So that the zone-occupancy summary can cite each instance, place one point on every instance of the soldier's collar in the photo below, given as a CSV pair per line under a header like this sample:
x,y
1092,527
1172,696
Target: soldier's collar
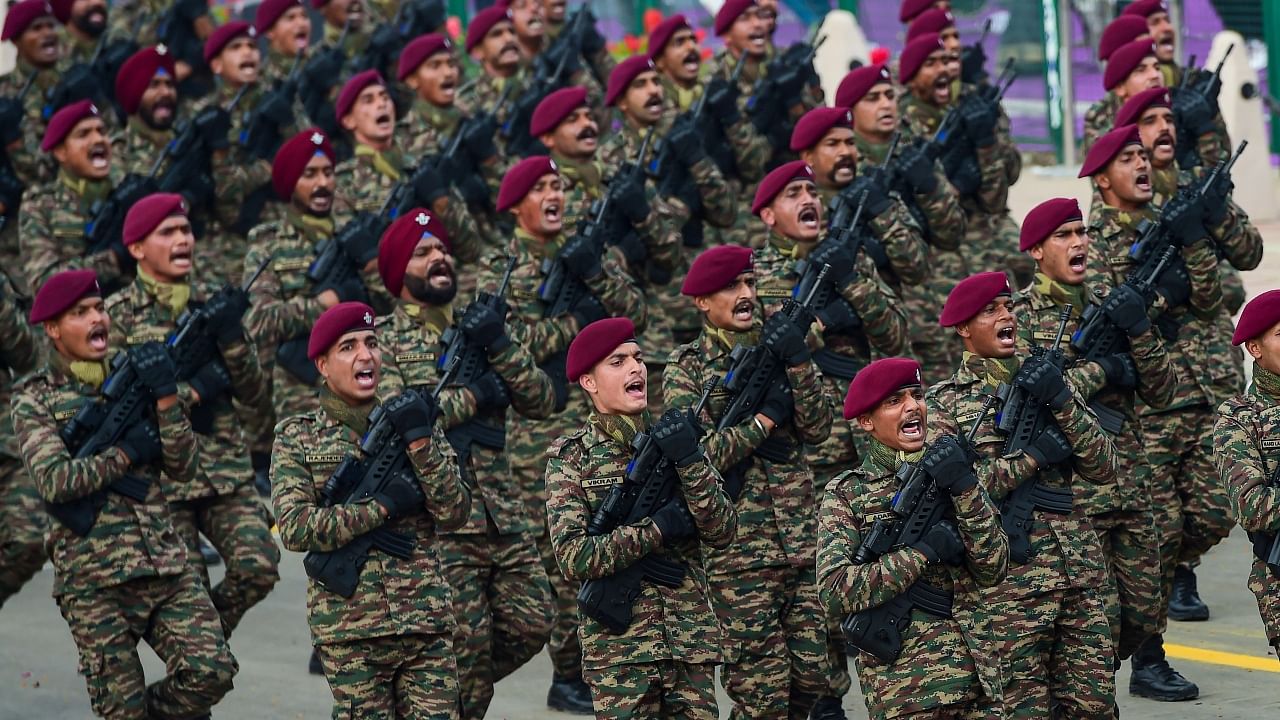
x,y
790,248
1266,382
443,119
174,296
1164,182
1126,219
536,247
89,190
158,138
725,340
436,318
989,371
586,172
311,227
1060,293
619,428
353,417
86,372
887,459
389,163
683,97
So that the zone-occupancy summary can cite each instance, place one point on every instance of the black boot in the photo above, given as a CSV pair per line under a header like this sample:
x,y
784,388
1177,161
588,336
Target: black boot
x,y
261,473
1154,679
827,708
570,695
1184,601
208,554
313,665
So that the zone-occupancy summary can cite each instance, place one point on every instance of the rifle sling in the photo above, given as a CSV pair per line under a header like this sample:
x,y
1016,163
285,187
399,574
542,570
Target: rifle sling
x,y
833,364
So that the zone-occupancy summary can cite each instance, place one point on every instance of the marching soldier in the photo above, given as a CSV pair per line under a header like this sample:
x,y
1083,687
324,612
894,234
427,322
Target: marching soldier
x,y
493,45
147,91
1049,613
762,587
84,22
32,28
22,518
287,27
122,573
223,398
500,589
387,647
946,666
662,663
1131,69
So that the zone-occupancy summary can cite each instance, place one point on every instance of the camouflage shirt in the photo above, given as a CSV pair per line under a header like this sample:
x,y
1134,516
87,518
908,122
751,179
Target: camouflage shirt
x,y
20,352
52,228
32,165
1099,119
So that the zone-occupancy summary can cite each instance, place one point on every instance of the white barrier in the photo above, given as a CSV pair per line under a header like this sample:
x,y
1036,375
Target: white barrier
x,y
845,42
1254,177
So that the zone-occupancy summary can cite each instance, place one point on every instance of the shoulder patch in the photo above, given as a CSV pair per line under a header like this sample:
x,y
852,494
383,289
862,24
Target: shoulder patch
x,y
319,458
303,419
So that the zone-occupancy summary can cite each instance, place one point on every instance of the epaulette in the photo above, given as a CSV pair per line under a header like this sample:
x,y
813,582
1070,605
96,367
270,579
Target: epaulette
x,y
560,443
307,418
114,299
271,226
29,377
384,320
689,348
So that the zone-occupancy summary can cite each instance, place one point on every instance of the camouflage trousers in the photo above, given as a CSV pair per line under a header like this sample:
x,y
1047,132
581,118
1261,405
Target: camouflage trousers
x,y
660,690
1266,589
1131,546
22,527
239,527
776,630
983,708
396,676
839,680
174,616
502,603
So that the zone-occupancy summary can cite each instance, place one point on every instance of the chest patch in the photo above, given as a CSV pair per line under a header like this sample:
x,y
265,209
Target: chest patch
x,y
61,415
967,418
601,482
323,458
416,357
876,517
1273,444
1049,335
145,337
290,264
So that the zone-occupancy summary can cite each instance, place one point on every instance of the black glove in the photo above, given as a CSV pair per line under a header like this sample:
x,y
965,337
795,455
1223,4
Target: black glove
x,y
722,101
1044,381
486,328
837,256
1125,307
942,543
677,437
686,141
674,521
11,115
11,189
785,339
973,60
1192,112
878,199
1051,448
1120,370
413,415
226,314
588,310
213,124
490,392
1184,217
980,117
1216,202
917,168
779,403
1175,285
323,71
155,369
428,183
141,443
839,317
402,496
591,42
627,192
210,381
948,462
477,137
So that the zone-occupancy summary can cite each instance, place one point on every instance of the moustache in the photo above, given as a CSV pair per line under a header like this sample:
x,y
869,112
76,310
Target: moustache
x,y
588,133
510,46
321,193
692,57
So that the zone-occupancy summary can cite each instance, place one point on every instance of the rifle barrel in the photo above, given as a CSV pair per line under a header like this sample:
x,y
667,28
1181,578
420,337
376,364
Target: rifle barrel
x,y
1063,318
982,415
257,273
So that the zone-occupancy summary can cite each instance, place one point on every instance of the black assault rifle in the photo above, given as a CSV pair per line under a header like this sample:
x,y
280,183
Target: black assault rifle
x,y
1207,88
1266,545
952,144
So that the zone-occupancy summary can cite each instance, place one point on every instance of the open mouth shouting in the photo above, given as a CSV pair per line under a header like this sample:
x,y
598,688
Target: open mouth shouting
x,y
248,70
757,42
448,88
743,311
301,38
100,156
1143,182
843,170
942,89
911,429
551,215
653,105
180,257
1078,261
366,377
98,339
637,389
691,62
385,121
588,137
440,274
1005,335
321,201
808,217
509,53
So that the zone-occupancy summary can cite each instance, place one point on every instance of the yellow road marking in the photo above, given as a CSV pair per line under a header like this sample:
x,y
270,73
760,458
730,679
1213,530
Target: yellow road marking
x,y
1218,657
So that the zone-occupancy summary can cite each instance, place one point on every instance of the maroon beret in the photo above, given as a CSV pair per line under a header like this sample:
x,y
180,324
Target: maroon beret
x,y
147,214
714,269
21,15
60,292
934,20
63,121
1124,29
136,73
1125,60
729,12
596,342
338,321
221,37
269,11
972,294
398,241
1144,8
1260,315
878,381
774,182
555,107
520,178
661,34
816,123
484,21
622,75
911,8
1133,108
859,82
1107,147
1045,218
915,53
418,50
61,10
292,158
352,90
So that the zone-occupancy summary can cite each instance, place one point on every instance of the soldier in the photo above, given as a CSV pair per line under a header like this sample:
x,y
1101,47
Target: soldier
x,y
148,94
349,19
122,573
1120,509
500,589
662,664
911,9
32,28
187,23
1120,32
84,21
225,396
493,45
1131,69
1244,450
526,18
54,216
387,648
287,27
946,667
763,587
1049,613
592,44
22,517
533,193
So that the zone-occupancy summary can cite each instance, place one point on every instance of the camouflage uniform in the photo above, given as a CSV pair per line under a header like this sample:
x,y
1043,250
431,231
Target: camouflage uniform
x,y
51,231
1099,119
482,93
751,150
387,651
22,519
1213,146
763,588
662,666
220,502
129,577
501,596
32,165
1049,613
947,667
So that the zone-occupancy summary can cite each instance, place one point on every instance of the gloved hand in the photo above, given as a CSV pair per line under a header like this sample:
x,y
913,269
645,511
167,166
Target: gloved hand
x,y
785,339
588,310
213,124
1192,112
722,102
686,141
1184,217
211,381
627,190
674,521
942,543
839,317
677,437
917,168
490,392
1175,285
1051,448
485,327
323,71
948,463
1126,308
11,114
1043,380
837,256
1120,370
1216,202
428,183
11,190
779,403
581,257
402,496
226,314
477,137
141,444
155,369
980,117
878,199
973,61
413,415
591,42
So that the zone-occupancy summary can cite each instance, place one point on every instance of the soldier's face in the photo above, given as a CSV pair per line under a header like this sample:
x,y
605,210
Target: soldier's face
x,y
834,158
1064,255
429,277
159,102
239,61
81,332
291,34
642,100
619,384
554,10
899,421
166,254
1158,135
436,79
500,51
732,308
1126,182
314,192
372,118
769,13
950,38
527,16
1162,32
932,82
338,13
796,212
992,333
681,58
1265,349
86,153
1144,77
876,114
749,34
38,44
352,367
540,212
577,136
89,16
